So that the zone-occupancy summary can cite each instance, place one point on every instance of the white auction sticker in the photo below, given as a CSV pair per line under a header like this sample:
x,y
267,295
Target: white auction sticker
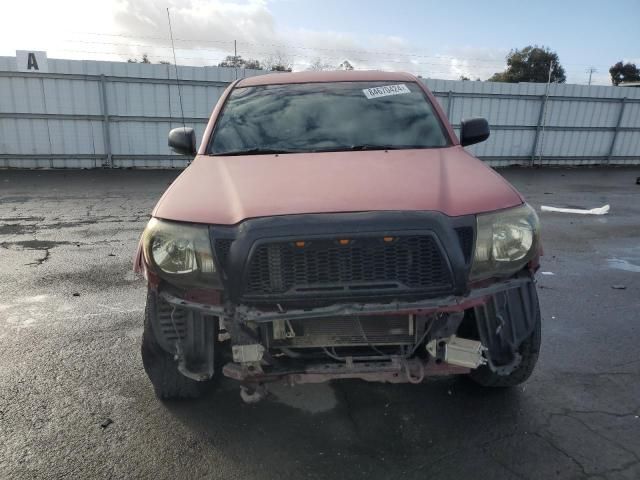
x,y
386,90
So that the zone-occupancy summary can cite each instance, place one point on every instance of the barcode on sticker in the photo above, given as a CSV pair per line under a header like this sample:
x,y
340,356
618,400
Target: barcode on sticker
x,y
386,90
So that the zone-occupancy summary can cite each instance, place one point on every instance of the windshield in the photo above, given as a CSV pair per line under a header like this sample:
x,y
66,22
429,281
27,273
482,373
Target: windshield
x,y
320,117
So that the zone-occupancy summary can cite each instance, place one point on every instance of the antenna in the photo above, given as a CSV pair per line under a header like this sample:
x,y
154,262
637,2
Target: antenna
x,y
175,64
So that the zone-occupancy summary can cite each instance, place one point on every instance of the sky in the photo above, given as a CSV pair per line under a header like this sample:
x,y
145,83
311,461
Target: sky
x,y
435,39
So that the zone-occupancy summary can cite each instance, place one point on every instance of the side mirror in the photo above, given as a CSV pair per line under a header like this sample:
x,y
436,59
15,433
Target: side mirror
x,y
473,130
182,140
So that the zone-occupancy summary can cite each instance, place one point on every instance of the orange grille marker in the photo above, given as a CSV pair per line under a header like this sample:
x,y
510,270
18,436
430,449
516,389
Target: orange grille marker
x,y
344,241
388,239
300,243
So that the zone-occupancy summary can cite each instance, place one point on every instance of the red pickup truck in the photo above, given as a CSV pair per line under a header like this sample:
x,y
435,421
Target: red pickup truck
x,y
332,225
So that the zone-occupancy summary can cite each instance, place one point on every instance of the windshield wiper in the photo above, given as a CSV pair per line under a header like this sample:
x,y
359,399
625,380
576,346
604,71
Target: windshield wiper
x,y
343,148
365,146
368,146
255,151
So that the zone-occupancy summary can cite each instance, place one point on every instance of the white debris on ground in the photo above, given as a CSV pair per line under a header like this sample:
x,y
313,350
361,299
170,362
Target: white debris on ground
x,y
594,211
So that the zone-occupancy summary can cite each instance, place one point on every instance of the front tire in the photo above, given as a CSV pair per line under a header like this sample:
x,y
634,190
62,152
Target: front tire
x,y
161,367
529,351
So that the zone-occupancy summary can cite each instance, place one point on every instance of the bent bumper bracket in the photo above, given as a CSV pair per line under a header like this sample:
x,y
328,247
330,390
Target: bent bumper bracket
x,y
452,303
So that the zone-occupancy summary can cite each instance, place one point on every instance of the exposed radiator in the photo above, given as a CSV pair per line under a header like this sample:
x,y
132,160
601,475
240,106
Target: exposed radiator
x,y
344,331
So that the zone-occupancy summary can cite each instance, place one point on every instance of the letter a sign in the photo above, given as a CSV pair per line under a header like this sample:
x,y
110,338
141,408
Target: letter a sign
x,y
31,61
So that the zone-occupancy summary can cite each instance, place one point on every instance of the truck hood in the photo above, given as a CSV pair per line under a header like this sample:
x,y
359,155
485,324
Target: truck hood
x,y
226,190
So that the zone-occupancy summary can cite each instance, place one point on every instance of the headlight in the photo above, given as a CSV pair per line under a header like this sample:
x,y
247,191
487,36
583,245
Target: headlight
x,y
180,253
505,241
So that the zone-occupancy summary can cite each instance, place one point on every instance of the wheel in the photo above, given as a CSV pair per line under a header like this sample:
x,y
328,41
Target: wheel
x,y
161,367
528,351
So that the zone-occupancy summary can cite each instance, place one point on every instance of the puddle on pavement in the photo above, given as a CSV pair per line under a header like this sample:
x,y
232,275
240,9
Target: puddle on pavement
x,y
623,264
623,255
36,244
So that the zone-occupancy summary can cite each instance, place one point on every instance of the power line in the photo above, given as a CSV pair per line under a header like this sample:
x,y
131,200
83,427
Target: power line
x,y
417,68
149,37
342,51
444,65
289,45
463,64
168,57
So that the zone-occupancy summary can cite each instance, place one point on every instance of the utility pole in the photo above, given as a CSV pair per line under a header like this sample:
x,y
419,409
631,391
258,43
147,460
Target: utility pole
x,y
235,57
591,71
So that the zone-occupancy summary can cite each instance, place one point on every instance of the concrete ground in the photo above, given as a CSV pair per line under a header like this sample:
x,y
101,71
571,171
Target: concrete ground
x,y
75,401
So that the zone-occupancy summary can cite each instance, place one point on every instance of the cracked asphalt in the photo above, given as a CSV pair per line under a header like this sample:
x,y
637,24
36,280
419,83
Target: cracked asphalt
x,y
75,402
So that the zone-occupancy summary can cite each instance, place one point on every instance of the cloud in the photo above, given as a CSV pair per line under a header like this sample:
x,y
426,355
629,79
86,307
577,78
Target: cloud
x,y
205,31
44,25
197,19
475,62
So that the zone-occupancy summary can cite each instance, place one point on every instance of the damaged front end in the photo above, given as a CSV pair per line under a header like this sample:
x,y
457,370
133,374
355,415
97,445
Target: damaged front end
x,y
391,297
398,342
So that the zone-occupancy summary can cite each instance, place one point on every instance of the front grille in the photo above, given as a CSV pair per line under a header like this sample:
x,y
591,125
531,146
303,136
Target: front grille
x,y
362,265
346,331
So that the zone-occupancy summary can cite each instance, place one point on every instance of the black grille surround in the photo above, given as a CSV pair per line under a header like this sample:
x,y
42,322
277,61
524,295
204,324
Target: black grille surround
x,y
466,238
320,266
427,256
222,246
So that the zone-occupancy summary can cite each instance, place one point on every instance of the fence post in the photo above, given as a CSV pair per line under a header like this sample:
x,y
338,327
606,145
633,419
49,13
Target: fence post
x,y
617,129
543,105
105,122
449,102
44,102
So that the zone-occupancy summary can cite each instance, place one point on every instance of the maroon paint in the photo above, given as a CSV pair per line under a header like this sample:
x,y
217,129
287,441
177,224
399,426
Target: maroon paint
x,y
227,190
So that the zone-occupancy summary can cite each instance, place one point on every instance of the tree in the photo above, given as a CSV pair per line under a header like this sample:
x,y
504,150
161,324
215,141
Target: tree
x,y
624,72
253,64
232,61
318,66
278,62
531,64
464,78
144,59
346,65
236,61
280,68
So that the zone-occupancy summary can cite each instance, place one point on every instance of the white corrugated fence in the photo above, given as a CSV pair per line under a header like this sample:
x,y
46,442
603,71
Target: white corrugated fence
x,y
88,114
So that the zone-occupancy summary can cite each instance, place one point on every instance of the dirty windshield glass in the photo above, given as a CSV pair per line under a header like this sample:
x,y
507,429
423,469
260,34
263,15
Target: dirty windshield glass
x,y
326,117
